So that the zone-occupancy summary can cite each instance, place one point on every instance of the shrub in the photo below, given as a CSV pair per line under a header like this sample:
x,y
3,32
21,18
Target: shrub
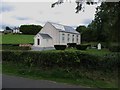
x,y
63,59
71,45
114,48
81,47
14,47
60,47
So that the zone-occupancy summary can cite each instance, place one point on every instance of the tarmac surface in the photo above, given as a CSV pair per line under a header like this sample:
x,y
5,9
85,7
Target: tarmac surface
x,y
20,82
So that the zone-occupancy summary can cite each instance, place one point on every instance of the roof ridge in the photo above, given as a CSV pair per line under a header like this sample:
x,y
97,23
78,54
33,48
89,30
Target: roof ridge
x,y
58,24
63,27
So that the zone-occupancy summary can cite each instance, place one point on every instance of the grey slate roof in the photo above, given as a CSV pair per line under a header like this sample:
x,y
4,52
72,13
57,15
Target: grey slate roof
x,y
45,36
70,29
64,28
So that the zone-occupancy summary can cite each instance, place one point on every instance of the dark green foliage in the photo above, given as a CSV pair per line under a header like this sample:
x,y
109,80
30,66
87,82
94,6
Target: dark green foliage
x,y
7,28
86,34
106,22
30,29
71,45
60,47
81,29
81,47
114,48
63,59
14,47
105,26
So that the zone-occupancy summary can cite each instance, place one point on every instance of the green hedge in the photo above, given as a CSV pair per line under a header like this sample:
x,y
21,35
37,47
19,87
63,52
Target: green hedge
x,y
63,59
71,45
60,47
81,47
13,47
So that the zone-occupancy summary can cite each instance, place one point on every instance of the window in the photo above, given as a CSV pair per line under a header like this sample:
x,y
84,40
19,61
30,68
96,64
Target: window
x,y
72,38
77,38
63,37
68,38
38,41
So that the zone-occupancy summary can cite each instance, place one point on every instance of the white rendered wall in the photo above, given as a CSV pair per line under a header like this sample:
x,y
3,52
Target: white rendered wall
x,y
50,30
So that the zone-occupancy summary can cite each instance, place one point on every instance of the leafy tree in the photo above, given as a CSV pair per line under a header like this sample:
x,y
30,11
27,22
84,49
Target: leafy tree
x,y
81,29
105,26
106,19
80,4
86,34
30,29
7,28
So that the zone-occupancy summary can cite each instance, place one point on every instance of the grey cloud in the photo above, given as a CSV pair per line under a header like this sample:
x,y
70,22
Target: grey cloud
x,y
74,27
87,21
22,18
57,13
41,12
43,22
6,8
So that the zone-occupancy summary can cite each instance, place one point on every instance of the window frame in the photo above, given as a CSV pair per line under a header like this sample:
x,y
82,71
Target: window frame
x,y
63,37
73,38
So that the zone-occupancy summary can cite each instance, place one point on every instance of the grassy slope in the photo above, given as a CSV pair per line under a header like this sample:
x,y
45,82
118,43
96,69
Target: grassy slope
x,y
56,75
16,39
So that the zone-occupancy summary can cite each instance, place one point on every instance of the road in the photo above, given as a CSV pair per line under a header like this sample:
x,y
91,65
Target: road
x,y
20,82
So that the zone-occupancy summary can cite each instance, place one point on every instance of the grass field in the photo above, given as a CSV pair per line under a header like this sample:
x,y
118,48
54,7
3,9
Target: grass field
x,y
16,39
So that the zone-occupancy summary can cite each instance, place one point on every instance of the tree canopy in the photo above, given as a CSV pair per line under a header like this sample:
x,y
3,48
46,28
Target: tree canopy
x,y
30,29
105,26
106,21
7,28
80,4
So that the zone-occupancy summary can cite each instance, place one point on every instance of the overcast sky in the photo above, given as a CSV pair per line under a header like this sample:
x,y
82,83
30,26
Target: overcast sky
x,y
33,12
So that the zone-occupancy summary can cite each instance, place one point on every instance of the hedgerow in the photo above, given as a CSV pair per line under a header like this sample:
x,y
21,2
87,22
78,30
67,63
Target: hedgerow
x,y
60,47
63,59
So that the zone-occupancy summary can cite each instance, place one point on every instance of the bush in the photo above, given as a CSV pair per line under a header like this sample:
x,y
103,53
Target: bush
x,y
63,59
114,48
71,45
14,47
81,47
60,47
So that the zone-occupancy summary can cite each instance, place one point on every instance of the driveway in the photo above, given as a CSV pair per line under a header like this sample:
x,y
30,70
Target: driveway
x,y
20,82
41,48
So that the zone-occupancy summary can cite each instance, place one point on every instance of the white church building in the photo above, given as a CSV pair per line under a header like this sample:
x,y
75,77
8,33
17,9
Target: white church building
x,y
56,34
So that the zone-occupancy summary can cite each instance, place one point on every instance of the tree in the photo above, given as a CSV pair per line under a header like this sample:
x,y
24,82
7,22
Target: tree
x,y
81,29
106,24
86,34
106,19
7,28
80,4
30,29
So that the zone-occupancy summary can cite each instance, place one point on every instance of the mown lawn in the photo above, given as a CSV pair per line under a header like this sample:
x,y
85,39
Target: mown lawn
x,y
103,51
97,52
16,39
